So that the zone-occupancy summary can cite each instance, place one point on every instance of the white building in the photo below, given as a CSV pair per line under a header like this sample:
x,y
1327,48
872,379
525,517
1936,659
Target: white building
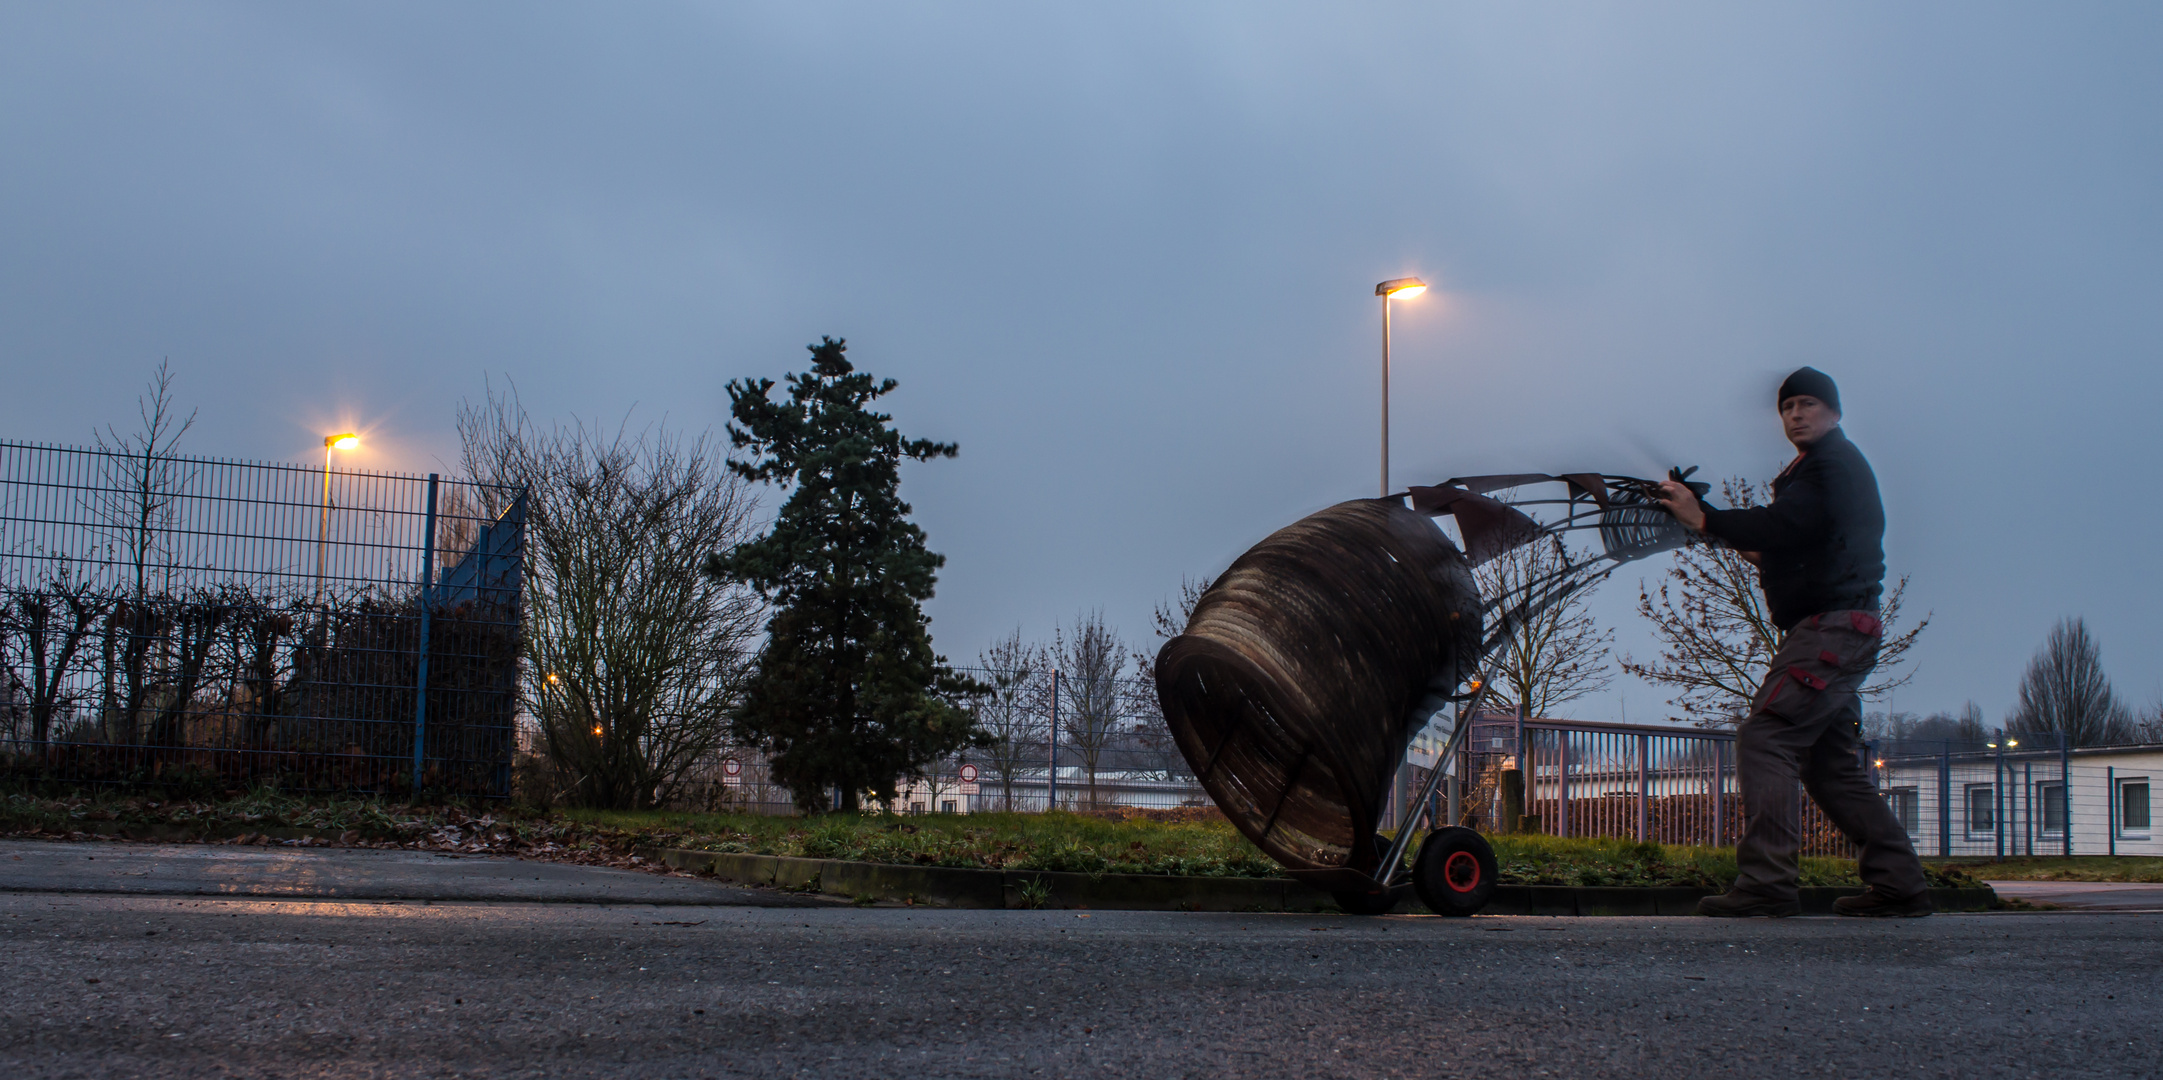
x,y
2020,800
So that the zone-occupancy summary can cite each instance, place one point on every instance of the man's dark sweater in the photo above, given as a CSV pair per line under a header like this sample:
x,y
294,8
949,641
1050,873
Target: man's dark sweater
x,y
1822,539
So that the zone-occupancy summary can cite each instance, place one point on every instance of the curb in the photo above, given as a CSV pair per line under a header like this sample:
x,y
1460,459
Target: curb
x,y
1565,900
935,886
213,833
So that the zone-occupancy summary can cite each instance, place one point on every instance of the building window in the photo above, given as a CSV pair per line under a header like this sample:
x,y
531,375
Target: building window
x,y
916,808
949,806
2052,798
1982,808
1907,806
2133,806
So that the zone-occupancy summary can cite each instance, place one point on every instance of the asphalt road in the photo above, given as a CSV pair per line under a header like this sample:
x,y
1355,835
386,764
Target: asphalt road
x,y
120,985
348,874
2087,895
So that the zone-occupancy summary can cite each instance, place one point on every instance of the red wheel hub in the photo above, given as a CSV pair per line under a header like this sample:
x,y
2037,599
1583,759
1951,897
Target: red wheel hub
x,y
1462,871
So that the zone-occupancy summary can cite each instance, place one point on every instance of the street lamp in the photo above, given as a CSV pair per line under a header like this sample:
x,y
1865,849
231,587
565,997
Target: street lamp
x,y
1407,287
342,441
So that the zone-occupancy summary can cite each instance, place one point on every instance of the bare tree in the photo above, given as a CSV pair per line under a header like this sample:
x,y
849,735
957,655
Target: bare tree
x,y
1553,656
1717,638
2148,725
142,478
2066,692
1937,727
1156,754
1015,713
1169,620
42,629
1892,726
635,659
1090,659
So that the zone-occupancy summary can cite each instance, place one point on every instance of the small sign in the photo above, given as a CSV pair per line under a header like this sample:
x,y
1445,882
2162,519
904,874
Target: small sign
x,y
732,767
968,774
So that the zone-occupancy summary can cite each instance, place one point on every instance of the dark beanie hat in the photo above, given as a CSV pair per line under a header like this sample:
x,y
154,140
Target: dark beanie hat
x,y
1811,381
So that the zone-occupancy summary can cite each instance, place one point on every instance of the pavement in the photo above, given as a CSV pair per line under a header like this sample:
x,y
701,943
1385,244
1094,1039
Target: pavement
x,y
130,984
348,874
2086,895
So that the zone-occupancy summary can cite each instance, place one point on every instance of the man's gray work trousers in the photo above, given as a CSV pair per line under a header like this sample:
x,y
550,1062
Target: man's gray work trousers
x,y
1805,726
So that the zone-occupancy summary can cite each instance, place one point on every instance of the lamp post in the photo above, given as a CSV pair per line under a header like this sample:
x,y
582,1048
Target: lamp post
x,y
342,441
1407,288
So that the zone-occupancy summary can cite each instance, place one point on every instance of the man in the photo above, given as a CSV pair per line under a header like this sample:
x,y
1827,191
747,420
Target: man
x,y
1819,550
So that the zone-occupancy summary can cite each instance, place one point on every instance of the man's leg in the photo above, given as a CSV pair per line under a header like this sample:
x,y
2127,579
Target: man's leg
x,y
1809,689
1769,751
1834,776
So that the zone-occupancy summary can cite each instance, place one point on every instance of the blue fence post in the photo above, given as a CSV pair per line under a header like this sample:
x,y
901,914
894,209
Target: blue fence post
x,y
1051,750
1998,799
2065,789
1945,798
2027,792
420,683
2110,807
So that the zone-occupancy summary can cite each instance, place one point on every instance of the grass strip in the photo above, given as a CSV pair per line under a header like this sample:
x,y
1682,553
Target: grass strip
x,y
1186,843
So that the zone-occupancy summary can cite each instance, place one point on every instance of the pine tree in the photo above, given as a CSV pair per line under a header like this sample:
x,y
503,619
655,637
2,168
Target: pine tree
x,y
848,694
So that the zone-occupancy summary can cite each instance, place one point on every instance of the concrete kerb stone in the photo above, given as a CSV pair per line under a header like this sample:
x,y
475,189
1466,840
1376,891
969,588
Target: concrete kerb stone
x,y
935,886
1560,900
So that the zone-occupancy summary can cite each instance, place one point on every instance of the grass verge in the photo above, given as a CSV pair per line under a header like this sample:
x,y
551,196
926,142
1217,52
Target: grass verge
x,y
2060,868
1134,843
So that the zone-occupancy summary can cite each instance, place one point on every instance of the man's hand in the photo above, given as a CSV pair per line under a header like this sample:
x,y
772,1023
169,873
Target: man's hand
x,y
1682,502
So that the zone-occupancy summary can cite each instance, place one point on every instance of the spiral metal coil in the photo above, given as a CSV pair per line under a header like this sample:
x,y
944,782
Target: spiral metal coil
x,y
1307,668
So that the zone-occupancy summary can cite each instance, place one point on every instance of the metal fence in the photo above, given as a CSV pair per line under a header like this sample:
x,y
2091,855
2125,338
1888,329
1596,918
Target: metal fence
x,y
2012,796
221,624
1665,784
2020,795
1077,744
1103,745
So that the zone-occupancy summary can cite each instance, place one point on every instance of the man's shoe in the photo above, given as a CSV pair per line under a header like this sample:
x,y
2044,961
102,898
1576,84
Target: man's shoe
x,y
1876,905
1737,904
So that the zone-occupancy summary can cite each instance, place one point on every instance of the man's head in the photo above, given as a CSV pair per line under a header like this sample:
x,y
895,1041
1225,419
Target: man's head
x,y
1809,406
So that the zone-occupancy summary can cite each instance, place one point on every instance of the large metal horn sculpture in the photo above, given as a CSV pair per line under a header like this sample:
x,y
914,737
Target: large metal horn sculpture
x,y
1311,663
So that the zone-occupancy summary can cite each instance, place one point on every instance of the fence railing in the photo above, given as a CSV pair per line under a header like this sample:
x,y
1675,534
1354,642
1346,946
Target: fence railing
x,y
2022,795
1665,784
222,624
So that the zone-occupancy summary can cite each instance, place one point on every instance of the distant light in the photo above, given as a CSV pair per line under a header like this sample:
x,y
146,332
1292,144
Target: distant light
x,y
346,441
552,677
1404,288
2012,742
1474,684
596,731
1881,763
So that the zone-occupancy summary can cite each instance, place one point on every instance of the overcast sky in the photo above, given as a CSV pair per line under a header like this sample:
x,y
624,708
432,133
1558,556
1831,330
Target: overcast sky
x,y
1125,256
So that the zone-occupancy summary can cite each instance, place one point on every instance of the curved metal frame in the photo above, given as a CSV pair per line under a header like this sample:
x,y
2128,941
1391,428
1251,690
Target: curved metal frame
x,y
1631,525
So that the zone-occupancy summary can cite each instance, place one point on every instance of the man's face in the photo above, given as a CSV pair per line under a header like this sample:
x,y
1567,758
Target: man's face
x,y
1806,420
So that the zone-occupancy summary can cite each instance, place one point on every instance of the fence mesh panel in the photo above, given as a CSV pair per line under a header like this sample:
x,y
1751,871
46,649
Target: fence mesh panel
x,y
223,624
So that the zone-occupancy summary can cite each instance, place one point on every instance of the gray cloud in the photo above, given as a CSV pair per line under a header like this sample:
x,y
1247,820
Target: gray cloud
x,y
1124,255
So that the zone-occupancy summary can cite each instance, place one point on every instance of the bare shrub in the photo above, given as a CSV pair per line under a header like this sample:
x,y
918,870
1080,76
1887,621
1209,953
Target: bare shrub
x,y
634,659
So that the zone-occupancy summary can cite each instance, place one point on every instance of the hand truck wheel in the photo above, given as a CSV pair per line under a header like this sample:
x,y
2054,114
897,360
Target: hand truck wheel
x,y
1455,872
